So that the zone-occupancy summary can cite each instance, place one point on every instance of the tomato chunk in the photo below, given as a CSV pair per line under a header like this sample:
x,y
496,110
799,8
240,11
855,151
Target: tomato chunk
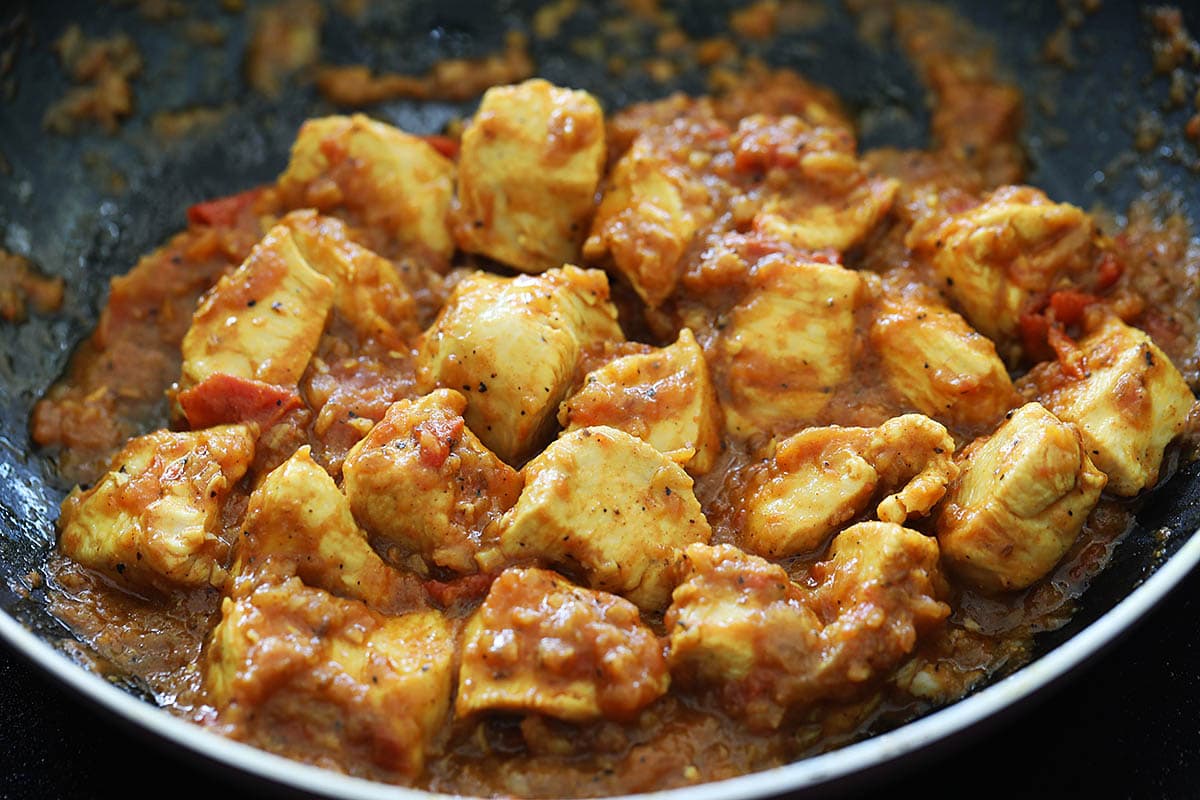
x,y
443,144
222,398
1069,304
223,211
467,590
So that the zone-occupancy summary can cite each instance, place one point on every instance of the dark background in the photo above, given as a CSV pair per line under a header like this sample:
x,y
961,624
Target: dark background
x,y
1127,725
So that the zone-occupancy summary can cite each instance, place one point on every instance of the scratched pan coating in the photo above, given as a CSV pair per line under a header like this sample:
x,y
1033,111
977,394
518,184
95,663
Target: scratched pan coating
x,y
58,207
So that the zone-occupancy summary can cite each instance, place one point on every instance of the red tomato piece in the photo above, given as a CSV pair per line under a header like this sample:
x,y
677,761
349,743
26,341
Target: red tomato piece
x,y
1108,271
223,211
444,145
221,399
1069,304
465,590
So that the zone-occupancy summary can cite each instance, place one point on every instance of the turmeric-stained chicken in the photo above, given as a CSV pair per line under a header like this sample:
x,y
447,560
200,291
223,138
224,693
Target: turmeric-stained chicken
x,y
766,645
154,520
299,523
368,291
997,259
657,200
820,478
1020,501
295,667
261,322
389,183
664,397
937,362
539,644
610,506
1125,395
823,198
531,160
788,344
423,483
511,346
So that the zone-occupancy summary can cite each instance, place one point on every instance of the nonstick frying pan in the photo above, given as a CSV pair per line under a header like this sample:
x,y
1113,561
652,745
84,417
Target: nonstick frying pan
x,y
59,207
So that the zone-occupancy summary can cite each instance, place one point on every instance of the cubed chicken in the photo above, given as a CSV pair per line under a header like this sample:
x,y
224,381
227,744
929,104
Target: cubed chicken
x,y
816,481
938,363
367,290
1020,501
657,197
819,195
726,613
626,124
512,347
299,670
154,520
262,321
379,177
610,505
532,157
738,624
781,92
299,523
665,397
913,453
788,343
877,592
1125,395
999,258
539,644
422,482
820,478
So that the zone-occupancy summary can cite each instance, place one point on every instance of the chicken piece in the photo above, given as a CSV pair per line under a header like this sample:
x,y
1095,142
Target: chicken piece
x,y
299,523
1125,395
822,477
1020,501
300,671
914,453
610,505
938,363
766,645
781,92
726,613
816,482
531,161
877,591
367,291
819,196
658,196
384,178
512,346
422,482
540,644
788,344
1000,257
665,397
262,321
153,521
626,124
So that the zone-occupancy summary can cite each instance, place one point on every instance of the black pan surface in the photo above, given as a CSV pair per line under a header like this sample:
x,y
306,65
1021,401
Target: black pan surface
x,y
59,208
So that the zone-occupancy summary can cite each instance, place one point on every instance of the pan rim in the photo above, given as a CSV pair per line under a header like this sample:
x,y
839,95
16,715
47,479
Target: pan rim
x,y
806,774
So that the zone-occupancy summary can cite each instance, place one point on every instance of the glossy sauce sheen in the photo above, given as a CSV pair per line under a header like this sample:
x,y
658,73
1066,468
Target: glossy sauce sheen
x,y
116,382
